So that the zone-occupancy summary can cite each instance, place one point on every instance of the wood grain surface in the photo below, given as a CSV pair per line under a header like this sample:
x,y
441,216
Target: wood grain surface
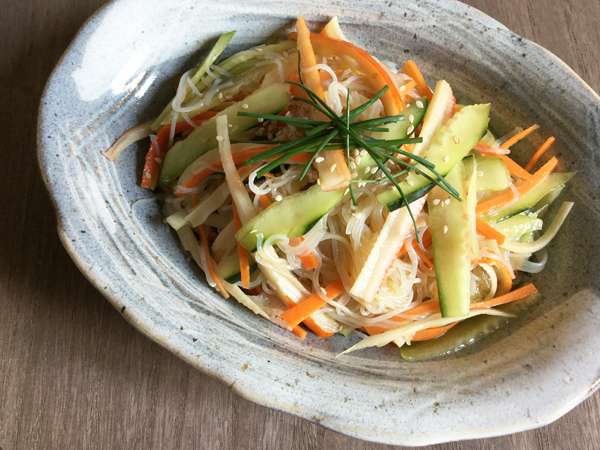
x,y
74,374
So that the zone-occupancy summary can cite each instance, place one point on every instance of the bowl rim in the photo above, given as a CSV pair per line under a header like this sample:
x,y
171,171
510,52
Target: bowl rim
x,y
138,320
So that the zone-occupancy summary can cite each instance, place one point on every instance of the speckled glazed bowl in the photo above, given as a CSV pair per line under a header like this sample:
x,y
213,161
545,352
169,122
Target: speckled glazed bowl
x,y
118,72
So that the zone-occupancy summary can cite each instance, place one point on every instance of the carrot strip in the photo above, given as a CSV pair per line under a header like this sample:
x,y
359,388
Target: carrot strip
x,y
309,305
309,260
376,74
540,152
514,168
242,252
485,149
424,256
504,272
412,70
300,332
431,333
519,136
211,266
517,294
485,229
523,187
264,201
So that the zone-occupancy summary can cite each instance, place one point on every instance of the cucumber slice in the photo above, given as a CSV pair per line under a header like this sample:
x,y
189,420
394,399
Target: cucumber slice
x,y
450,144
270,99
519,225
492,174
451,244
465,334
550,185
292,216
396,130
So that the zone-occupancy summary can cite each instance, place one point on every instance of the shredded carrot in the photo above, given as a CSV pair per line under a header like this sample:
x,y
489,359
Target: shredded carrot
x,y
376,74
211,266
300,332
522,188
243,255
519,136
540,152
514,168
309,260
159,147
485,149
424,256
504,272
264,201
485,229
412,70
518,294
309,305
431,333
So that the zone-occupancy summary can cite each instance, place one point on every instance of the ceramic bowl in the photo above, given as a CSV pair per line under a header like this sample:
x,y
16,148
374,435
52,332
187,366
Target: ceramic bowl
x,y
119,71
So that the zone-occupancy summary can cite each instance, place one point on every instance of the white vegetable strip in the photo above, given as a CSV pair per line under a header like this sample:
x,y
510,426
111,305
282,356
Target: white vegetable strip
x,y
405,333
241,199
537,245
397,227
208,205
242,298
436,114
224,242
128,138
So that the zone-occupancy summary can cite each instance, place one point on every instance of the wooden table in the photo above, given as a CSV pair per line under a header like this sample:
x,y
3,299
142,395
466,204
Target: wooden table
x,y
74,374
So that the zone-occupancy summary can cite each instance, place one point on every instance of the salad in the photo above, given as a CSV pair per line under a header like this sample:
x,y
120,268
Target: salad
x,y
333,193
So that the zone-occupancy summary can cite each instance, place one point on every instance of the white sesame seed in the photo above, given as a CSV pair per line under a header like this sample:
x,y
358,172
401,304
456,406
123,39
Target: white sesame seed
x,y
332,168
220,96
436,201
260,120
362,184
253,231
363,152
319,160
278,198
259,49
319,181
411,118
374,170
245,106
456,139
230,125
352,165
447,202
219,138
419,104
445,230
410,129
356,153
445,158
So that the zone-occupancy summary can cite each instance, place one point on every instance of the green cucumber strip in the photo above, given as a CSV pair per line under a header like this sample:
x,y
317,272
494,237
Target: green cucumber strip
x,y
208,61
451,245
492,174
515,227
450,144
549,185
465,334
292,216
270,99
396,130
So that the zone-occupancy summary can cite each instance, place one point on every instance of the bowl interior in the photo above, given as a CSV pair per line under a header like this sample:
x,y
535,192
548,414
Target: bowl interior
x,y
119,72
